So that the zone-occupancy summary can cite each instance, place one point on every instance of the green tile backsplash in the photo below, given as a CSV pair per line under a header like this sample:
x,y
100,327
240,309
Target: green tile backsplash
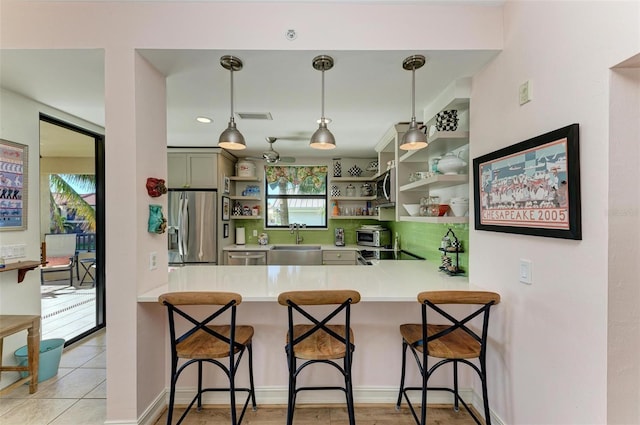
x,y
424,239
419,238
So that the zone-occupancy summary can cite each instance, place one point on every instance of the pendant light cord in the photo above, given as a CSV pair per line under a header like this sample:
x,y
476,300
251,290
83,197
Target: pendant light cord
x,y
413,94
231,70
322,97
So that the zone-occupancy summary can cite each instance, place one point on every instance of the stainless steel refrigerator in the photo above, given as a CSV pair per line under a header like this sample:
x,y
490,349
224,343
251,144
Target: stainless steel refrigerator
x,y
192,226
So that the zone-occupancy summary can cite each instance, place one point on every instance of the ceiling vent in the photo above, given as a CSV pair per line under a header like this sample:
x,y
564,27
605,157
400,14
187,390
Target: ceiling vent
x,y
254,115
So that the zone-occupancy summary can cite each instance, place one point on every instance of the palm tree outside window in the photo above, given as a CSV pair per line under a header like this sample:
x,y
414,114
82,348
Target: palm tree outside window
x,y
296,194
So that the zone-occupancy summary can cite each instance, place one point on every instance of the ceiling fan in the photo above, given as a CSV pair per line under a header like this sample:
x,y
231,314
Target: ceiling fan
x,y
271,156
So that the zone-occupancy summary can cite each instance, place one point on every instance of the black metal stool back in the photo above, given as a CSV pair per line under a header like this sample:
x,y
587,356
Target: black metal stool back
x,y
455,342
205,342
319,341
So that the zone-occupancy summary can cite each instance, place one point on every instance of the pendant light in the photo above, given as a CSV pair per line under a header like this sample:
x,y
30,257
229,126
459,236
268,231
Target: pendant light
x,y
413,139
231,138
322,138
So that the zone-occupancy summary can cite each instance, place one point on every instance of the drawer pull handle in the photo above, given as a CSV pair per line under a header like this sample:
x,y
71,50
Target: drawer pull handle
x,y
246,256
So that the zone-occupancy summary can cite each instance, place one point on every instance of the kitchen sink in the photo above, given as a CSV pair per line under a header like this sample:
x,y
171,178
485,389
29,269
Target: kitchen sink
x,y
295,247
295,255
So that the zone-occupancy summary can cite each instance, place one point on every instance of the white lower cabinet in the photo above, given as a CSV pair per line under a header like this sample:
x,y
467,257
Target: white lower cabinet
x,y
339,258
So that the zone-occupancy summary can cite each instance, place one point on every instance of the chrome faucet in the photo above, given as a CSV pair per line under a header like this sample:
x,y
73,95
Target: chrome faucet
x,y
295,227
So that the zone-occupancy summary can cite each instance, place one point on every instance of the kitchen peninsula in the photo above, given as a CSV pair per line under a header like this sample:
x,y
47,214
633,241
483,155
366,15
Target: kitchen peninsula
x,y
388,289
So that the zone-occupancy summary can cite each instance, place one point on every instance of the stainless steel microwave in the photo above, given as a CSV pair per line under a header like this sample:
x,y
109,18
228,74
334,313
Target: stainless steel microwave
x,y
374,237
386,190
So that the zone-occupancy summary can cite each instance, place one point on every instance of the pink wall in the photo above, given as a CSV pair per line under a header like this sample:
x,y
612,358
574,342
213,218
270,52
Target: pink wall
x,y
549,346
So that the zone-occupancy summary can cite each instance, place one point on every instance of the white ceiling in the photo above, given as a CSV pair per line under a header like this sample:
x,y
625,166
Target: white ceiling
x,y
366,92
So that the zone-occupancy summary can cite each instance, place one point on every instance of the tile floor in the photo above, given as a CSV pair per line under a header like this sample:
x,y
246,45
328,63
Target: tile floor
x,y
76,395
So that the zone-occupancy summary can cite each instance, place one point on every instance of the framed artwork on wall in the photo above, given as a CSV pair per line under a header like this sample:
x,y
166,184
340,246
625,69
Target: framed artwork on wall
x,y
14,172
532,187
226,208
227,185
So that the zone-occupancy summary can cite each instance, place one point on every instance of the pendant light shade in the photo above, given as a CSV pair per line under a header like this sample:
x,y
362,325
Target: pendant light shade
x,y
414,138
231,138
322,138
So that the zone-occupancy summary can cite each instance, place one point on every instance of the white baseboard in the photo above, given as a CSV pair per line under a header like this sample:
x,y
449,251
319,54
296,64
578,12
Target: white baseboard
x,y
278,396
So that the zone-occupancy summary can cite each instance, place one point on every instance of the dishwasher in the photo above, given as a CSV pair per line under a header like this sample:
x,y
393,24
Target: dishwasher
x,y
246,258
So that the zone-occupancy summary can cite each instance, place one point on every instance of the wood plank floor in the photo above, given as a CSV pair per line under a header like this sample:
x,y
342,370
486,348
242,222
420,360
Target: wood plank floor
x,y
375,414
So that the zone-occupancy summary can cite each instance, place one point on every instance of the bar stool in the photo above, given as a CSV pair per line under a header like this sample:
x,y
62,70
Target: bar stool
x,y
206,343
319,342
11,324
453,342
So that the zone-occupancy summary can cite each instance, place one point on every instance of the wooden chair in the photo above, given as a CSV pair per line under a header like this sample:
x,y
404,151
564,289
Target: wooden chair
x,y
454,342
319,342
58,255
203,342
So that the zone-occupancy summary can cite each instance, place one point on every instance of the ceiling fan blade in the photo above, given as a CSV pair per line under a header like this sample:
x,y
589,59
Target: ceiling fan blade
x,y
294,138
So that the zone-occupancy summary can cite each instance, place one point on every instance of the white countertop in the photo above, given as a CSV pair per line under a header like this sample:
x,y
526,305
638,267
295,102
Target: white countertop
x,y
385,281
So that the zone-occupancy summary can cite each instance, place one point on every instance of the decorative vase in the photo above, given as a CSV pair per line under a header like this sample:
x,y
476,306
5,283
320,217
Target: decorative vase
x,y
337,168
451,164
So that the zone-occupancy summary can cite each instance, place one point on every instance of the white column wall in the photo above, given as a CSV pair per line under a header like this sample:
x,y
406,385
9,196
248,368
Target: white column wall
x,y
623,390
548,359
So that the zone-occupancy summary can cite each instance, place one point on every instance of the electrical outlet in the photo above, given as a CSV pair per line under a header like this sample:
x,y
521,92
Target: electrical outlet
x,y
255,232
153,260
526,271
525,92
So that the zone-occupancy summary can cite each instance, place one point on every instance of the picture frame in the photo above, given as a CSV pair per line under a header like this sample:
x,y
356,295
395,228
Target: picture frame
x,y
226,208
14,184
225,231
226,188
531,187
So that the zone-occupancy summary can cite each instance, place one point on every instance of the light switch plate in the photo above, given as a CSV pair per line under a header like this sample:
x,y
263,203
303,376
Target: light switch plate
x,y
525,92
526,271
153,260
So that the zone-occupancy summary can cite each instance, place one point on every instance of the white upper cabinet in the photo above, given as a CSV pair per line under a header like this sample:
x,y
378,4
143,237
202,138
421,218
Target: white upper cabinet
x,y
194,170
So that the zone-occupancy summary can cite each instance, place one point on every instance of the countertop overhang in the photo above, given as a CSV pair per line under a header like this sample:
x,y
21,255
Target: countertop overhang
x,y
385,281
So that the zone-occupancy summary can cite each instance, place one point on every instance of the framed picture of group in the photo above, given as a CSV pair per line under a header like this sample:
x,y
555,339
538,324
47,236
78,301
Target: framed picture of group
x,y
532,187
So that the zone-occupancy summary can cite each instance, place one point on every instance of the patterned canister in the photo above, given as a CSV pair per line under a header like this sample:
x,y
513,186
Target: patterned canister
x,y
246,169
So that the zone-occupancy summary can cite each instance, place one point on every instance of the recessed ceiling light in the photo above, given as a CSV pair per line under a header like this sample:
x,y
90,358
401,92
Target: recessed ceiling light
x,y
205,120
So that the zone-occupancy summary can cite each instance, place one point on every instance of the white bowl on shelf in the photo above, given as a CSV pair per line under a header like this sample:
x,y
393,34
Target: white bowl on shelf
x,y
459,206
412,209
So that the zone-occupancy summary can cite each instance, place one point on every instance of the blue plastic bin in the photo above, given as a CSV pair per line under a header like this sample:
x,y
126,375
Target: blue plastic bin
x,y
50,354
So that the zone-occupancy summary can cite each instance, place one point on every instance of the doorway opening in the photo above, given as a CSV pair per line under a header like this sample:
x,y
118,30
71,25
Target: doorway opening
x,y
72,193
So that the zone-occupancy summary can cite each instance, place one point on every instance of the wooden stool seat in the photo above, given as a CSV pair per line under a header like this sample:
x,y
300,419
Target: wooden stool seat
x,y
11,324
455,345
320,345
201,345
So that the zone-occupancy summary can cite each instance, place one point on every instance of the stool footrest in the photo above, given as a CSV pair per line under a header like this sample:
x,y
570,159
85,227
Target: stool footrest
x,y
15,385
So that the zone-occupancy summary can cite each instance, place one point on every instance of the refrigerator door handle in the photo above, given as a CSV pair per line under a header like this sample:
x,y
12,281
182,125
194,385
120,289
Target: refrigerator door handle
x,y
184,227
